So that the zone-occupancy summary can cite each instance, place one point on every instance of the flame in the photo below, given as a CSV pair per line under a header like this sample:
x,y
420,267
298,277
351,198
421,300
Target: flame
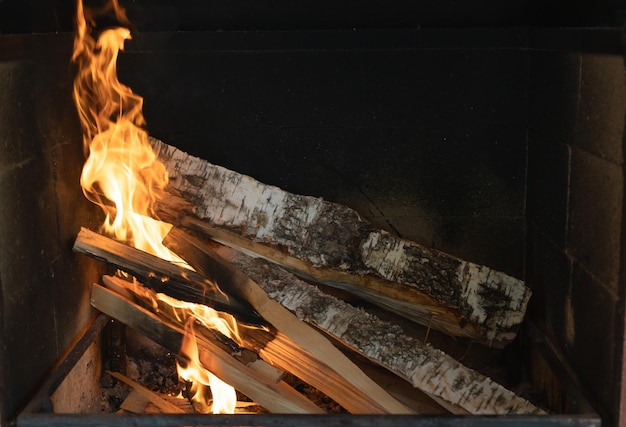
x,y
122,173
212,319
224,396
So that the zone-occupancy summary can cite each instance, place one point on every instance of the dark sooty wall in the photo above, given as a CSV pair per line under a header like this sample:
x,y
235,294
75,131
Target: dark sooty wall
x,y
36,16
44,287
576,202
423,133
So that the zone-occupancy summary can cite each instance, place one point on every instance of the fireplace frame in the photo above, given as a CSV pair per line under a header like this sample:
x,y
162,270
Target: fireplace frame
x,y
544,336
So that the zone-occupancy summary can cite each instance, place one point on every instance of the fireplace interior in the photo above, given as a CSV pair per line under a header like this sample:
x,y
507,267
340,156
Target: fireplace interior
x,y
500,144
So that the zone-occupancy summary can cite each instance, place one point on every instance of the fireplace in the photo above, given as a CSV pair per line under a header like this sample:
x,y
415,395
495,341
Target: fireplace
x,y
502,146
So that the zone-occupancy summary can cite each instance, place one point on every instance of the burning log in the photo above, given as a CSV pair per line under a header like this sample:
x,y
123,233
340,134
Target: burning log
x,y
296,347
454,386
274,347
277,397
225,273
331,244
161,275
149,300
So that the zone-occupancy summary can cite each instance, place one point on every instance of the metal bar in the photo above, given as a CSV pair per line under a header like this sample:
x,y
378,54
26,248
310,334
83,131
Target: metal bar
x,y
289,420
58,374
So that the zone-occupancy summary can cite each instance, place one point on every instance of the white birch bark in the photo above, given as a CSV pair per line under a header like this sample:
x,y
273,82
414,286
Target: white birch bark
x,y
338,248
426,368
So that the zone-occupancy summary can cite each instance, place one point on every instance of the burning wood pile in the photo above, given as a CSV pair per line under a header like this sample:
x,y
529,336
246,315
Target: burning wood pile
x,y
229,286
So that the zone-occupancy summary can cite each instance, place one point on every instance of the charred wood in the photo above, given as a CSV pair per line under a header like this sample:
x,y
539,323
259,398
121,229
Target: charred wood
x,y
295,347
162,276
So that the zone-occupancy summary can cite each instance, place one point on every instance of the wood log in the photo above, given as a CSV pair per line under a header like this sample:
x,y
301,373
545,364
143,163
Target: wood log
x,y
330,243
279,398
274,347
456,387
163,276
138,404
450,383
206,261
149,300
346,385
135,402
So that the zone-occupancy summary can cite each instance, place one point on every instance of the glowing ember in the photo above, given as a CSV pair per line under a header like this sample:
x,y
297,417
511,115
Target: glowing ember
x,y
121,173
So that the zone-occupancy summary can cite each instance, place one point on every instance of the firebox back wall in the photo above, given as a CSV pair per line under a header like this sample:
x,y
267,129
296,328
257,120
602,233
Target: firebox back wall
x,y
423,133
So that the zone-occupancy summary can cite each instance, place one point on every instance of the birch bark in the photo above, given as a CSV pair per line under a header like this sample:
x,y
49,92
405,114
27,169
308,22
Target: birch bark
x,y
333,245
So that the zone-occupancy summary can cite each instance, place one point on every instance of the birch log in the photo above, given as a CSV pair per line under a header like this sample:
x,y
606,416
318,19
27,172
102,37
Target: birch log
x,y
330,243
426,368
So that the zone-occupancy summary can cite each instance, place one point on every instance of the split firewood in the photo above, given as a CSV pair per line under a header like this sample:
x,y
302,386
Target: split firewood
x,y
229,277
162,276
330,243
162,307
266,371
313,358
273,347
135,402
446,380
279,398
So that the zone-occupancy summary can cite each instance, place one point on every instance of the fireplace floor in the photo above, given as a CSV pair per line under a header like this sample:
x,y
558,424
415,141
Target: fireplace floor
x,y
107,345
146,359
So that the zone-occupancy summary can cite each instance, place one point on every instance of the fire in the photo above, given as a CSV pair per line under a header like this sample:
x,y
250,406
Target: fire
x,y
121,173
212,319
224,398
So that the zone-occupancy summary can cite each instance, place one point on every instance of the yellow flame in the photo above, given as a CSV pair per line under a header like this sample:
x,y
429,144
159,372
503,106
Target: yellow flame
x,y
224,396
212,319
122,174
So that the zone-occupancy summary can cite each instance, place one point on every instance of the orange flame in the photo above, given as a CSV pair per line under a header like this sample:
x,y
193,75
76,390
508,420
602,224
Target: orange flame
x,y
121,174
224,396
210,318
